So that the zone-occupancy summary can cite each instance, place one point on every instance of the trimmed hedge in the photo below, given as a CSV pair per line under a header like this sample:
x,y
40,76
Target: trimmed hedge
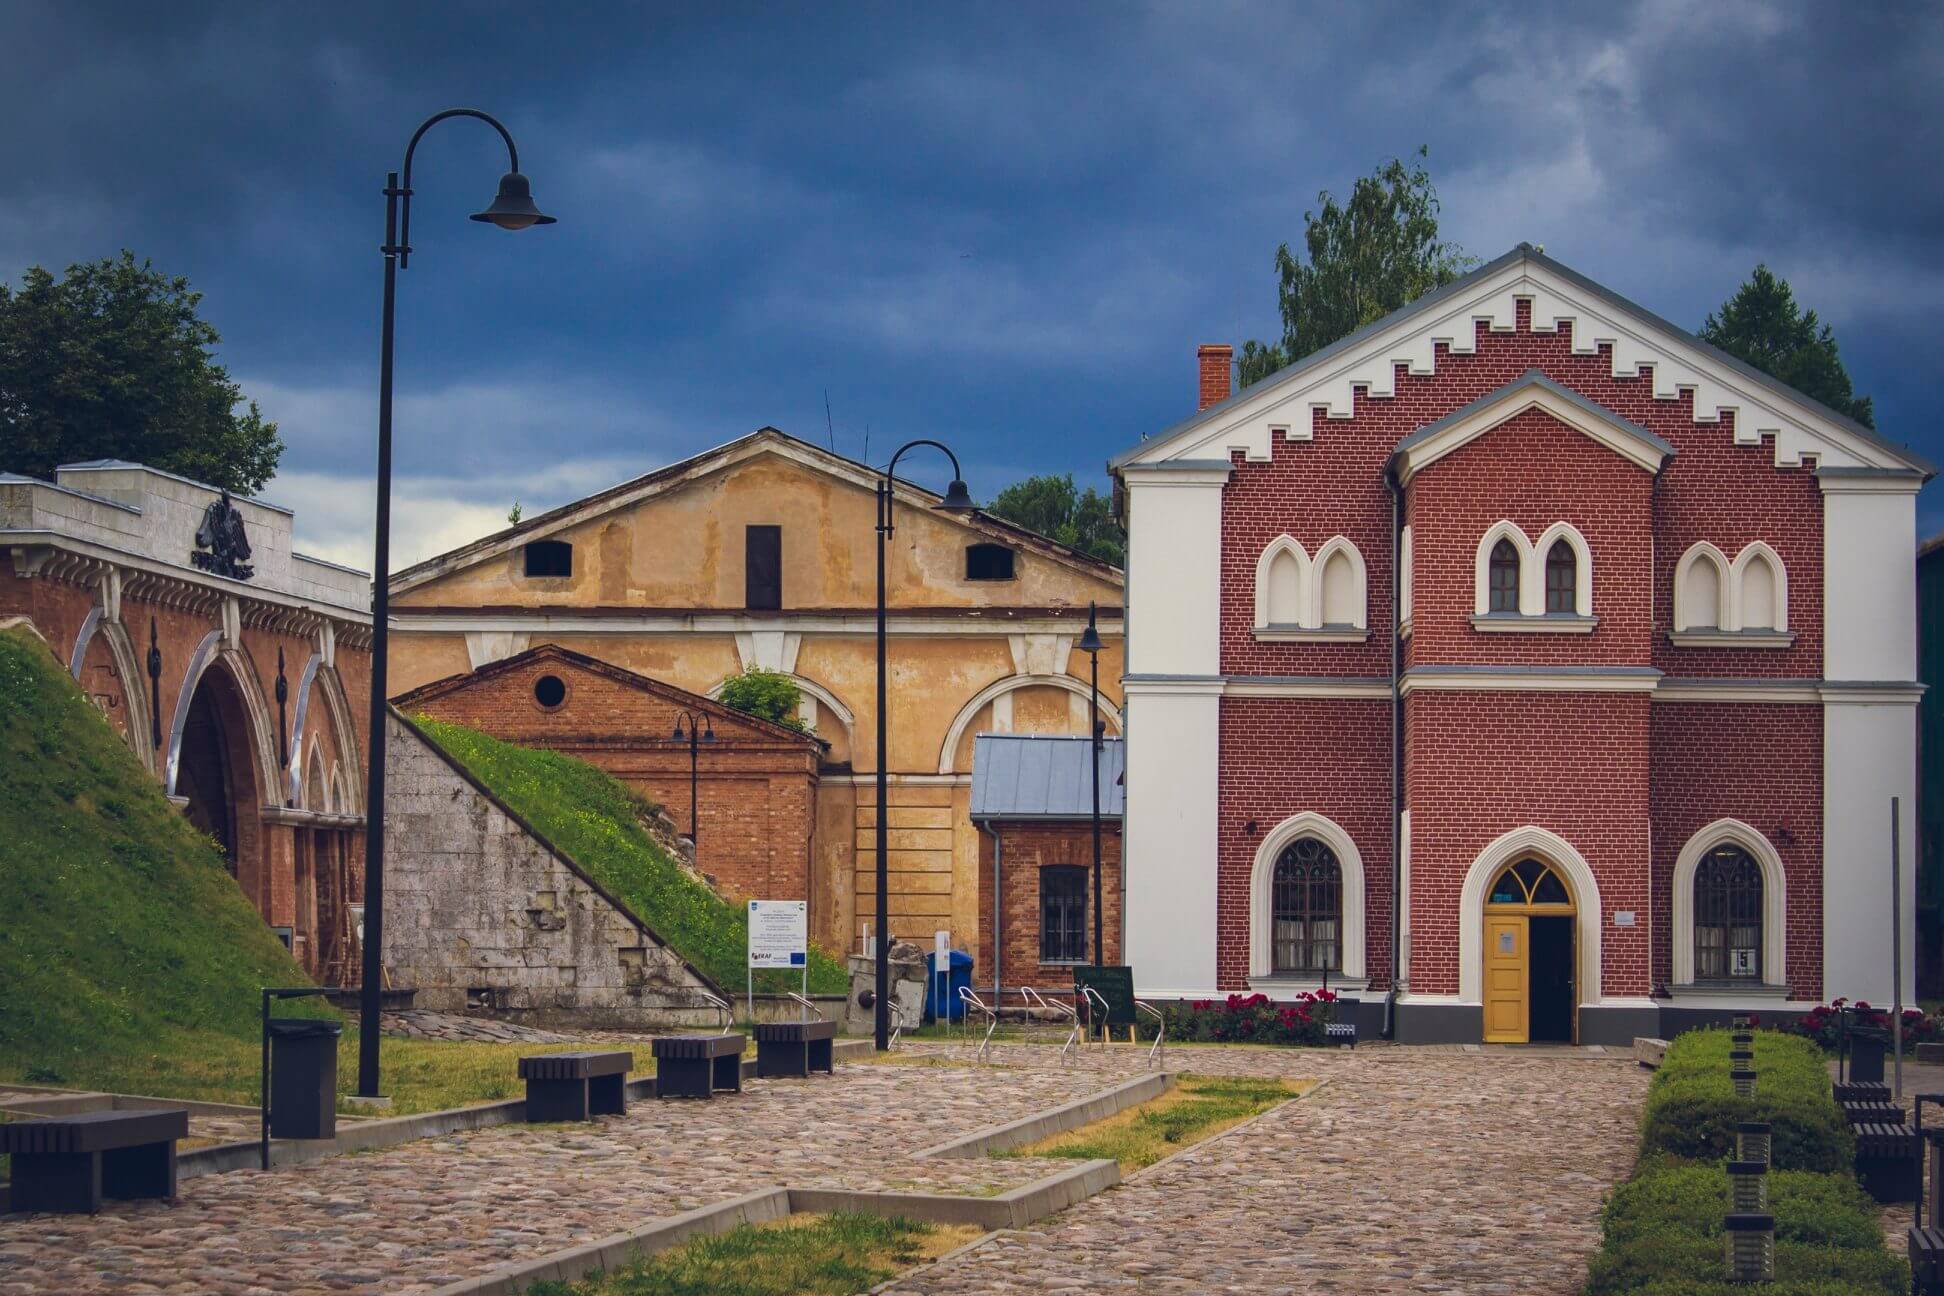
x,y
1692,1109
1663,1228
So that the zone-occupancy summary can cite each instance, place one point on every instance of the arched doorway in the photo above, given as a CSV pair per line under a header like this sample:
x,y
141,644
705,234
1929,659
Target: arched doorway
x,y
215,770
1531,951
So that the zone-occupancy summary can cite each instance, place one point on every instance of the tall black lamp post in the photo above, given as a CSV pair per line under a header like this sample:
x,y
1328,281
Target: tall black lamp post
x,y
694,739
957,500
1090,645
512,209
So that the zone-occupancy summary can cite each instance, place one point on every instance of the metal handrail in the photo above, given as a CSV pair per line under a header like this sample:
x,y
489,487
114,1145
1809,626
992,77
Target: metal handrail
x,y
721,1006
972,1001
1056,1007
1094,996
1156,1054
807,1004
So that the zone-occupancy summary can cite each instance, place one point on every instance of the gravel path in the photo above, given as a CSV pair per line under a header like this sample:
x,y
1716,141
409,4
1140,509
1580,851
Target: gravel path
x,y
1409,1170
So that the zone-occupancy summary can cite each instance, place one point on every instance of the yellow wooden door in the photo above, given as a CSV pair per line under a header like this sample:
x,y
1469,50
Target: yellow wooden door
x,y
1506,956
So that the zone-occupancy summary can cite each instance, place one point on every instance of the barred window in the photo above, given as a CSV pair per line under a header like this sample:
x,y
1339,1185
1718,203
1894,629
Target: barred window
x,y
1728,916
1063,914
1503,575
1307,897
1562,575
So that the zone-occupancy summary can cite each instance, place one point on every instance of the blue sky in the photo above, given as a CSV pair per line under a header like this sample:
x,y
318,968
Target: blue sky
x,y
1004,226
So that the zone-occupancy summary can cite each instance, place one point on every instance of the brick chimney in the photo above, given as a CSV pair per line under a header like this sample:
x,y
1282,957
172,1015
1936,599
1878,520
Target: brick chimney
x,y
1217,366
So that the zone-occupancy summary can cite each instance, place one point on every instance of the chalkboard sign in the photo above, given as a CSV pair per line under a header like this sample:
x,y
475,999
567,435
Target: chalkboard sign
x,y
1115,985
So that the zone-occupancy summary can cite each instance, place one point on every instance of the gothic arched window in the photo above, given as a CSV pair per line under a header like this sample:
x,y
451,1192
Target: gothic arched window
x,y
1562,577
1307,900
1503,576
1728,916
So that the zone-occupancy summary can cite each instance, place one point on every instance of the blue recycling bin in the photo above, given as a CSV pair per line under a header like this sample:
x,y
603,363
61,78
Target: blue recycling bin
x,y
958,972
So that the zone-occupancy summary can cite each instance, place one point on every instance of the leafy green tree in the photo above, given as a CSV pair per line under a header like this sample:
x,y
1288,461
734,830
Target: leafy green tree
x,y
111,361
1367,257
767,695
1053,507
1762,325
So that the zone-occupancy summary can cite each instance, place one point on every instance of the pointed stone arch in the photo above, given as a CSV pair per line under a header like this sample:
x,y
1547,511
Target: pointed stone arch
x,y
1550,848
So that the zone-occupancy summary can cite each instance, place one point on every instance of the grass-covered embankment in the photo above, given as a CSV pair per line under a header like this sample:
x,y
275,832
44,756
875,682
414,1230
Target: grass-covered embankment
x,y
596,820
127,952
1662,1230
811,1255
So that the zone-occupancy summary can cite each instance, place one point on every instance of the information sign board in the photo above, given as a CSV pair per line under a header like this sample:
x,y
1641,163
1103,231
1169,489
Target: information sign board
x,y
779,933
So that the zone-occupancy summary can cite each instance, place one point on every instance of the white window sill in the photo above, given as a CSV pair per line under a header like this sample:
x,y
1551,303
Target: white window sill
x,y
1700,638
1551,623
1719,989
1311,634
1296,983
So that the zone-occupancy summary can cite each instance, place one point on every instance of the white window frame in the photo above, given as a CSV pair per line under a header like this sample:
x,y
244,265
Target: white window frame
x,y
1724,832
1262,900
1309,626
1532,616
1728,630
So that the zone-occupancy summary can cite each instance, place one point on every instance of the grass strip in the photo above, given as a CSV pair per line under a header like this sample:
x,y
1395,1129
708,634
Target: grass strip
x,y
1197,1108
818,1255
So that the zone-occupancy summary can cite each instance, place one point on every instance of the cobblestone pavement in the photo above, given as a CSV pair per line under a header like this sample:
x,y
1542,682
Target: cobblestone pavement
x,y
417,1023
407,1219
1409,1170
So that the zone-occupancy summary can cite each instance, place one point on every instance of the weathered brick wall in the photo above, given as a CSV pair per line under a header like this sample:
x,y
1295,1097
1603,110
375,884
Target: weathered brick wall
x,y
1283,756
1028,848
756,784
473,902
1480,764
1761,764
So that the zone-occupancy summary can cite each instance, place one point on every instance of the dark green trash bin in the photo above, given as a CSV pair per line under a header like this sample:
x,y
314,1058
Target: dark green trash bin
x,y
303,1078
1867,1045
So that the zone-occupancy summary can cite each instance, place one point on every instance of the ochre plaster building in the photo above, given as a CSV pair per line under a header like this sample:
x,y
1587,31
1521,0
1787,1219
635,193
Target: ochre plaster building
x,y
237,670
762,552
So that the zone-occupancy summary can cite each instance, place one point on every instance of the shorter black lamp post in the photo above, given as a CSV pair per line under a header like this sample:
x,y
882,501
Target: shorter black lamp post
x,y
707,734
1090,645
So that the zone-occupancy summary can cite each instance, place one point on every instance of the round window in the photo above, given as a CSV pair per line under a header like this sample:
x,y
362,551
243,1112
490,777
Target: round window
x,y
549,691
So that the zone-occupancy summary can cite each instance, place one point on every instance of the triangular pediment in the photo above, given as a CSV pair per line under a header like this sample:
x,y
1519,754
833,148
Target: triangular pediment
x,y
567,662
1531,391
1363,366
819,468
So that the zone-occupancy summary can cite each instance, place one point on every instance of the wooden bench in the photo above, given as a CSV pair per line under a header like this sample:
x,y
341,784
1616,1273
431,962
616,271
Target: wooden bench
x,y
1888,1162
696,1066
794,1048
1924,1239
67,1164
575,1086
1862,1091
1873,1113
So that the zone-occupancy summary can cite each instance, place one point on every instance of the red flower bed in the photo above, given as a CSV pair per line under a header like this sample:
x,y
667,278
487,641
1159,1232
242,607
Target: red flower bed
x,y
1253,1019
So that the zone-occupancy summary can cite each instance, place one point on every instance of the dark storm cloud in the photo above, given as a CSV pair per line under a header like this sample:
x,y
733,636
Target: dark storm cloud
x,y
1006,226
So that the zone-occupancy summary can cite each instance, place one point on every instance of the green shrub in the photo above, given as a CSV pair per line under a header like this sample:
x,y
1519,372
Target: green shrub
x,y
1692,1109
1674,1259
1819,1209
767,695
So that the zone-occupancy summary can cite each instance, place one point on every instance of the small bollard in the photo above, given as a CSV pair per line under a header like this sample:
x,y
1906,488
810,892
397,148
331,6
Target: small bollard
x,y
1744,1082
1751,1246
1741,1022
1748,1182
1752,1141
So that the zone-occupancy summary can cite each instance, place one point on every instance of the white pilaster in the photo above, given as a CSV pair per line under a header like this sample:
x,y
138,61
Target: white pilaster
x,y
1173,723
1869,727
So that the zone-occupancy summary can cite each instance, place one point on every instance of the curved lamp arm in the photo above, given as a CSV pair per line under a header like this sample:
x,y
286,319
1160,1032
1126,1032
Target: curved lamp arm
x,y
891,469
404,248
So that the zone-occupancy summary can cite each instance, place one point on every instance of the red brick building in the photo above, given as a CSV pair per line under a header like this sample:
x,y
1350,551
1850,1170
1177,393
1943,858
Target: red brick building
x,y
236,669
755,782
1032,801
1525,665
